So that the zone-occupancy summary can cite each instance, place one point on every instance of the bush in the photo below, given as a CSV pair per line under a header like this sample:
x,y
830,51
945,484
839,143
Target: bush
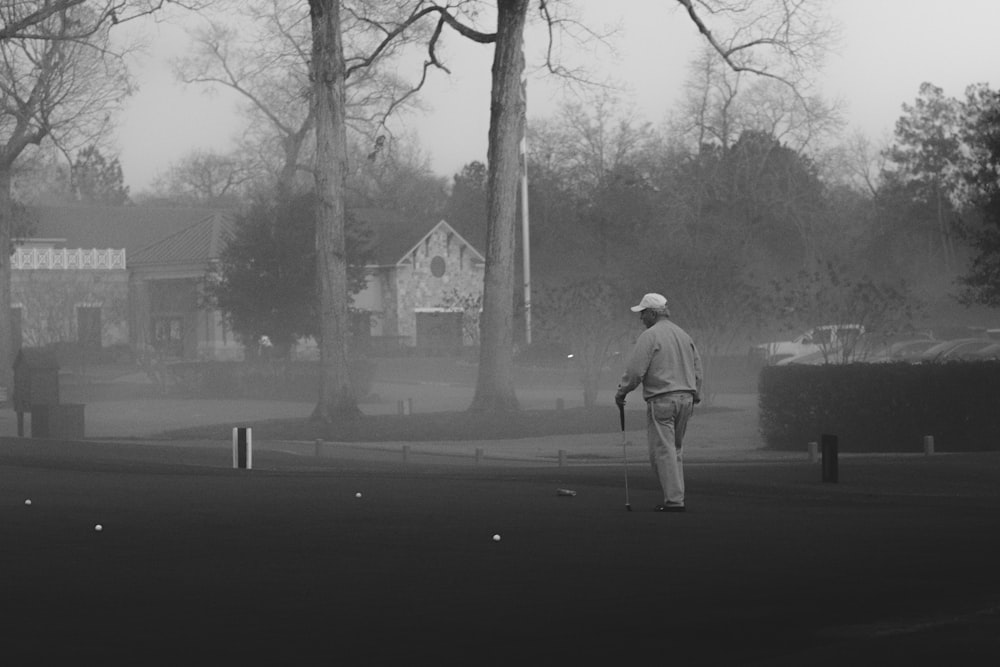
x,y
882,407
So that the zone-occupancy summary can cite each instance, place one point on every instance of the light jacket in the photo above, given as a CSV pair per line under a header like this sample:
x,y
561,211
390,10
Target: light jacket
x,y
664,360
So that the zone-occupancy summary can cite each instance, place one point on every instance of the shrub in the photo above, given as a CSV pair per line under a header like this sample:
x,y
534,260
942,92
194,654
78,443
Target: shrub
x,y
882,407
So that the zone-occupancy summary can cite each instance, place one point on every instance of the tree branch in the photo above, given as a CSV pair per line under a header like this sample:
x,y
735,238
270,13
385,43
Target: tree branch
x,y
445,17
727,53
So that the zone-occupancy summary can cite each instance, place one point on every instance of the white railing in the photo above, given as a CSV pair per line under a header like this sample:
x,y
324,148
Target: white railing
x,y
68,258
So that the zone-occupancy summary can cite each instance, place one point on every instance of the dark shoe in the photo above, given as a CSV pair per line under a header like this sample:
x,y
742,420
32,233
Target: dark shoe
x,y
669,508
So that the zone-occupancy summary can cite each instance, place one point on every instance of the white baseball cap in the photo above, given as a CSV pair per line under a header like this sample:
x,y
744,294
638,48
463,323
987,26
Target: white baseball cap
x,y
651,300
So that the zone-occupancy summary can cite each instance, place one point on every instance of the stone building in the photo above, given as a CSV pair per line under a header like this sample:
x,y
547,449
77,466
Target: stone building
x,y
425,286
62,295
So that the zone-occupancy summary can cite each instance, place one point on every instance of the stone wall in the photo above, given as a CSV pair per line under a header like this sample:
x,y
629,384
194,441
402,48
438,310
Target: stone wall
x,y
441,273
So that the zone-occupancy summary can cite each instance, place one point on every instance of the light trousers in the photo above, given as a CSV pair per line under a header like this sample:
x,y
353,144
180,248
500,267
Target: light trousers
x,y
666,421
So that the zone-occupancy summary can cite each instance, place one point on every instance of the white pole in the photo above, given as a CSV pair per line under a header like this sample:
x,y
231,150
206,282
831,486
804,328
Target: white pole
x,y
242,448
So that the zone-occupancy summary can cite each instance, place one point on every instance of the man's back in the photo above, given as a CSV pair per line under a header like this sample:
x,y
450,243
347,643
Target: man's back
x,y
664,360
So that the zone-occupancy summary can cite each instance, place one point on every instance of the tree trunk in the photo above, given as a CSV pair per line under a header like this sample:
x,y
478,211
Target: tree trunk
x,y
6,335
494,386
336,396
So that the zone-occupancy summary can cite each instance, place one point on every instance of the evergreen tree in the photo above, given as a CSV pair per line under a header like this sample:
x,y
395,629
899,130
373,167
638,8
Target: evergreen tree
x,y
97,180
266,281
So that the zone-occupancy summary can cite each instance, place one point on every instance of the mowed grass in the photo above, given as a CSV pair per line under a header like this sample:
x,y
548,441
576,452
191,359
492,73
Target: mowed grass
x,y
434,426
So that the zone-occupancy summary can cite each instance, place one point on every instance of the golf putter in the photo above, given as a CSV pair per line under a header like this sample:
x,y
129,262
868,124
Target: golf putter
x,y
621,414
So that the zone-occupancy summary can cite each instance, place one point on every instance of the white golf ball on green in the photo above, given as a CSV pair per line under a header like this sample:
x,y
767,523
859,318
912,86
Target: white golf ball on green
x,y
357,495
98,527
496,537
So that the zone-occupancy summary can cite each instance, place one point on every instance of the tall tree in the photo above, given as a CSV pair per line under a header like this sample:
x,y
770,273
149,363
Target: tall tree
x,y
925,160
60,81
266,279
981,135
466,205
598,161
97,180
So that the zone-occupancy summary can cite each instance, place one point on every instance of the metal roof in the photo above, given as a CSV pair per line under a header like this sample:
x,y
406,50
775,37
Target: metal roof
x,y
129,227
200,242
166,235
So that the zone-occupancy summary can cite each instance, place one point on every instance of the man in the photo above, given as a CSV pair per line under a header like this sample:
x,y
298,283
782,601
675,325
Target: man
x,y
667,364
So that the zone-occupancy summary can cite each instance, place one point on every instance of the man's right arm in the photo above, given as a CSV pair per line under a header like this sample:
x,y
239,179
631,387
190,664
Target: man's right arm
x,y
635,368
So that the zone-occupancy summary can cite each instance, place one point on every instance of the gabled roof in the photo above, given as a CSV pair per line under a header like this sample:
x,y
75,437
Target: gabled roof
x,y
394,236
448,229
199,243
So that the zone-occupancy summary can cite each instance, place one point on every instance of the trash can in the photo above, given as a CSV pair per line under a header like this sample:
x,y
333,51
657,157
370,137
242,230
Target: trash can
x,y
36,383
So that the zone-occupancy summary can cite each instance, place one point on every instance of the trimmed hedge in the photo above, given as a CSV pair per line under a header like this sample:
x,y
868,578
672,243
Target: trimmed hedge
x,y
882,407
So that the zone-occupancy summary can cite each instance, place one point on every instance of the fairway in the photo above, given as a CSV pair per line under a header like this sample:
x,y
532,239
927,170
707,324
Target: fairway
x,y
285,565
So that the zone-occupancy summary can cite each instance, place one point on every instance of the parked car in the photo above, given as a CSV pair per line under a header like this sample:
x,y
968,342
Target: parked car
x,y
817,358
905,350
829,337
955,349
989,352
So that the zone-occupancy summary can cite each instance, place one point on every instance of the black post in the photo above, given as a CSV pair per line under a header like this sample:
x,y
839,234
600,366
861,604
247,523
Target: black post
x,y
829,445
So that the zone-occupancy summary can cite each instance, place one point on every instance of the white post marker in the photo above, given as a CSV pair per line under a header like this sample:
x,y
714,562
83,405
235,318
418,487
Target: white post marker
x,y
928,445
242,448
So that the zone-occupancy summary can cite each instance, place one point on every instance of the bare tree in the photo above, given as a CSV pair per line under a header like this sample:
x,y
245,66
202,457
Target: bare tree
x,y
206,177
27,19
328,75
263,56
720,104
61,82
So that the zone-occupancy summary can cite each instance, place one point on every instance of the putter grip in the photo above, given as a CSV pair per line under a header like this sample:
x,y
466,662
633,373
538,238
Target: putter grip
x,y
621,416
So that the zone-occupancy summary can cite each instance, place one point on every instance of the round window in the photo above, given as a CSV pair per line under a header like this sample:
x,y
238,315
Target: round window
x,y
437,266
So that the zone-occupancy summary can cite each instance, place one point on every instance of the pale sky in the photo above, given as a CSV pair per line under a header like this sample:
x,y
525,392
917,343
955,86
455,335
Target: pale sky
x,y
888,48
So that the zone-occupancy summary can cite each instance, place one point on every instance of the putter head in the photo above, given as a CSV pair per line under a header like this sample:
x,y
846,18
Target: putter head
x,y
628,507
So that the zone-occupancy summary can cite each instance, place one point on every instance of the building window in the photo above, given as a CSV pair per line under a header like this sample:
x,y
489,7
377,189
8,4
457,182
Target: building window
x,y
437,266
168,336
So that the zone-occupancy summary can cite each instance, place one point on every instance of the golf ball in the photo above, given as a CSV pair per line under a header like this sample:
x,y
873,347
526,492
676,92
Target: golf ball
x,y
98,527
357,495
28,501
496,538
